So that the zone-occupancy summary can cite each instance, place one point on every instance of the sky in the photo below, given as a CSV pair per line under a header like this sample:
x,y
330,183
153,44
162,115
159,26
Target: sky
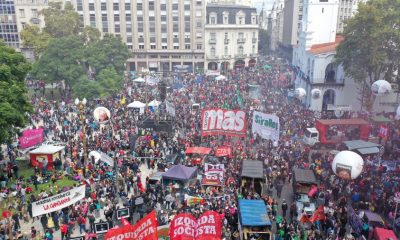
x,y
267,4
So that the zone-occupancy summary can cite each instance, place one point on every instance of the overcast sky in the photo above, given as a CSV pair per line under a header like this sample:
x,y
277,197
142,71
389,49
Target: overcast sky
x,y
267,4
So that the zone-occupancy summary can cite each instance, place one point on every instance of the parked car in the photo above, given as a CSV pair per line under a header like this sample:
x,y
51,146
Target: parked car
x,y
305,204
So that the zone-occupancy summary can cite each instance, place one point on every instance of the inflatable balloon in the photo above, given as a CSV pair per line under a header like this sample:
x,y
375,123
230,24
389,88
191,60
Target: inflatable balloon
x,y
381,87
101,115
347,165
300,92
316,93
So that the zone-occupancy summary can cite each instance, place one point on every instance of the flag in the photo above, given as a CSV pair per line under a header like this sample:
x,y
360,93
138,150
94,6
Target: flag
x,y
318,215
226,105
304,219
239,98
124,222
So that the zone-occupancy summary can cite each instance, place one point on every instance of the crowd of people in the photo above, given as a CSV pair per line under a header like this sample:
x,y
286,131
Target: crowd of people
x,y
139,152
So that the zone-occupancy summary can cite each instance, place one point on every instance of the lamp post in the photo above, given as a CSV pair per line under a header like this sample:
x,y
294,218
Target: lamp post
x,y
81,107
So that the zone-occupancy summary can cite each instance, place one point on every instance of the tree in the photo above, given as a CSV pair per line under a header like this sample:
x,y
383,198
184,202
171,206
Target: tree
x,y
32,37
61,61
61,22
85,88
370,49
108,51
14,103
110,81
90,35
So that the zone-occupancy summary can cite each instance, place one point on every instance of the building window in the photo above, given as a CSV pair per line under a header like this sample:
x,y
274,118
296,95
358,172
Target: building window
x,y
91,6
92,18
79,6
127,6
212,52
199,46
141,46
163,7
129,39
212,36
213,20
254,49
103,6
164,47
226,35
176,47
116,18
128,17
198,24
226,50
35,13
139,6
240,50
153,46
116,7
117,28
22,13
187,46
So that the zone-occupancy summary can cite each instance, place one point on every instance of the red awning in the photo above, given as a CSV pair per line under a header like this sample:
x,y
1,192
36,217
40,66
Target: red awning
x,y
198,150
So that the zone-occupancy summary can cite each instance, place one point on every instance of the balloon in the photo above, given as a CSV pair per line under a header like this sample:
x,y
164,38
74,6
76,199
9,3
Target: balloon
x,y
316,93
300,92
101,115
347,165
381,87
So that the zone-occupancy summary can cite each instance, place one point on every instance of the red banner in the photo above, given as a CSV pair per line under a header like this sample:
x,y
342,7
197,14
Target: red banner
x,y
211,180
219,121
383,131
224,151
31,138
145,229
185,227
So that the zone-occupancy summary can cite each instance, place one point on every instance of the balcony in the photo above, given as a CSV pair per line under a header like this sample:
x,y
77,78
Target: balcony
x,y
226,41
226,56
212,41
241,40
240,56
253,55
254,40
209,57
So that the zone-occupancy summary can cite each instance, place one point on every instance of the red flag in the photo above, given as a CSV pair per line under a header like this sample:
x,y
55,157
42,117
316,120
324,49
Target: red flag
x,y
125,222
318,215
304,219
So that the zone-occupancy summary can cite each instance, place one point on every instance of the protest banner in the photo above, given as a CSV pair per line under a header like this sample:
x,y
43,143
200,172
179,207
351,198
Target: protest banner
x,y
58,202
31,138
224,151
219,121
266,126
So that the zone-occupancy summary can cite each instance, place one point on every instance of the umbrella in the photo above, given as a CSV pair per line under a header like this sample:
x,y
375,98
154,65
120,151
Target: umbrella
x,y
136,104
139,80
154,103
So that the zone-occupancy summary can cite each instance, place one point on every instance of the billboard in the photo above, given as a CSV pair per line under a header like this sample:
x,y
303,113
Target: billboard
x,y
217,121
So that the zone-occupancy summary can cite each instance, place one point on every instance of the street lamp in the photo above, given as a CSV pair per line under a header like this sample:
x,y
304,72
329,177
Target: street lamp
x,y
81,107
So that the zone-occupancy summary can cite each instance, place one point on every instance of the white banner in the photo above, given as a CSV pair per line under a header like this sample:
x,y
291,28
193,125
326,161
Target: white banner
x,y
170,108
266,125
107,159
58,202
213,169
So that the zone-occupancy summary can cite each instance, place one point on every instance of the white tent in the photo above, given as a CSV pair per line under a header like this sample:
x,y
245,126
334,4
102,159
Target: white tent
x,y
139,80
220,77
96,155
136,104
154,103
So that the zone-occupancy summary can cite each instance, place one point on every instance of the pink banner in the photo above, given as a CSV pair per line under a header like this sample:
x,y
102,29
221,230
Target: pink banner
x,y
31,138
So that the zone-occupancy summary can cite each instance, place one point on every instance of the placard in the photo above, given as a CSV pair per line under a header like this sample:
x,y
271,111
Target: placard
x,y
124,212
101,227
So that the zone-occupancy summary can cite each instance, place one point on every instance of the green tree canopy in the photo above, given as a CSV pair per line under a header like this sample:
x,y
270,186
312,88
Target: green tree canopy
x,y
110,80
370,49
14,103
85,88
61,61
61,22
32,37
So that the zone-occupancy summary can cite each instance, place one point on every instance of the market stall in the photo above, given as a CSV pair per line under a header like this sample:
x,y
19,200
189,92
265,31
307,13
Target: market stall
x,y
47,153
254,220
179,173
252,175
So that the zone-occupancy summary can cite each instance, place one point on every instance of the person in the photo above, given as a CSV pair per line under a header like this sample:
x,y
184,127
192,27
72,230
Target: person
x,y
43,221
81,221
33,232
284,207
64,231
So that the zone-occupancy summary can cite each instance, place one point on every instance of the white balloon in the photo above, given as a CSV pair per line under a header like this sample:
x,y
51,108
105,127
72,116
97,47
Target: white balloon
x,y
381,87
316,93
347,165
101,115
300,92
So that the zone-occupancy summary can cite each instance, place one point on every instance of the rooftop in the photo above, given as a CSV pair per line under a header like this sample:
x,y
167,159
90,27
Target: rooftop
x,y
326,47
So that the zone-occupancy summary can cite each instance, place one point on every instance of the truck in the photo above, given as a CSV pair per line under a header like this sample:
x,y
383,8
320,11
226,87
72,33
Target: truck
x,y
330,132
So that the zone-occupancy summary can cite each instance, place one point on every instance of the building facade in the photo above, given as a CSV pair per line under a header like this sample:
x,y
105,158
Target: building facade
x,y
231,37
275,25
8,23
248,3
292,19
347,9
163,35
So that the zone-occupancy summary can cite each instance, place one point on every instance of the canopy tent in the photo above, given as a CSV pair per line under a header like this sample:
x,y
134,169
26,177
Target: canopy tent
x,y
384,234
304,176
362,147
47,149
136,104
139,80
49,153
198,150
252,169
220,77
381,119
180,172
154,103
253,213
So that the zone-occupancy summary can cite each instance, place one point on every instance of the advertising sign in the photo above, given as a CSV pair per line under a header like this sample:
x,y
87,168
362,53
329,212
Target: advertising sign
x,y
31,138
58,202
266,125
219,121
185,226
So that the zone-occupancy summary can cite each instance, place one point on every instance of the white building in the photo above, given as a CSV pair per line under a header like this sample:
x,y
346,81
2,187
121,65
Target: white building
x,y
347,9
275,25
248,3
231,37
314,58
